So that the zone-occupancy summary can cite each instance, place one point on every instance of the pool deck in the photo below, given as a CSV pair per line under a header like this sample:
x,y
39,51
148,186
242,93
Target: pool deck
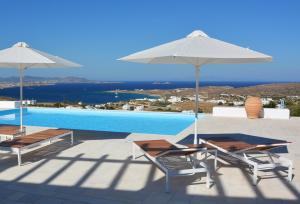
x,y
99,169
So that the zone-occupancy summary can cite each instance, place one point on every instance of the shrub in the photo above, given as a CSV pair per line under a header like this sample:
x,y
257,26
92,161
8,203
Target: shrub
x,y
272,104
295,110
230,104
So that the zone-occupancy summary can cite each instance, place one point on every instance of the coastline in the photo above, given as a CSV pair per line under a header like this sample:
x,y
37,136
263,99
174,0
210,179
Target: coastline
x,y
114,92
273,89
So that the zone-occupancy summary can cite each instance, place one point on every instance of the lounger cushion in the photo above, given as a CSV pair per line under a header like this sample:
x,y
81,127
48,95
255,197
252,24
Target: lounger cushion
x,y
156,148
9,130
26,140
229,144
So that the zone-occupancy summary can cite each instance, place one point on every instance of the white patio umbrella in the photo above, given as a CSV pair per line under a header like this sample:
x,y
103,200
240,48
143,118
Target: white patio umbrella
x,y
197,49
22,57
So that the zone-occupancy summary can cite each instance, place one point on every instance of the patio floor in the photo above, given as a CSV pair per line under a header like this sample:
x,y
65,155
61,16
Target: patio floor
x,y
99,169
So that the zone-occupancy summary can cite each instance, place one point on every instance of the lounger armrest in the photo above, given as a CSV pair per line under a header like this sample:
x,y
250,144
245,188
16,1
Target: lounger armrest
x,y
275,144
263,147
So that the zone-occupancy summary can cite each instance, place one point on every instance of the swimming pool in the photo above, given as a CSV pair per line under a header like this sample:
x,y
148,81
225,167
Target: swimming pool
x,y
101,120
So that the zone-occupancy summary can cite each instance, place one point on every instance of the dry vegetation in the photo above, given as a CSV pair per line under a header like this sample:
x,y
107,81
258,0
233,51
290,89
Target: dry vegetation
x,y
272,90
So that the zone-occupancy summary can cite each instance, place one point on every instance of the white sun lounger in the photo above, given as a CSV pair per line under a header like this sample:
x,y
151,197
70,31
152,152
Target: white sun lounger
x,y
257,156
27,143
172,160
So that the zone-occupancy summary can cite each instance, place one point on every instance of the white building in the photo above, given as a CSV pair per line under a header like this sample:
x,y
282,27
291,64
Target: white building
x,y
99,106
224,95
293,97
29,102
174,99
73,107
266,101
139,108
146,99
238,103
217,101
89,107
126,107
240,96
192,98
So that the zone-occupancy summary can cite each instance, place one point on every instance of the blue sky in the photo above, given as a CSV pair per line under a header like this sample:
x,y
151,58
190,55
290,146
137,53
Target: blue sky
x,y
95,33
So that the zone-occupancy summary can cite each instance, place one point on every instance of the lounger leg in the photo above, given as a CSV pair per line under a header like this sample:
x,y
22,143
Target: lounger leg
x,y
208,179
19,157
255,175
216,160
167,183
290,173
72,138
133,151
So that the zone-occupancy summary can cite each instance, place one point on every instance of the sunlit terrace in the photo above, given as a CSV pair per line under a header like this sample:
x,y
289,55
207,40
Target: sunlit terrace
x,y
98,169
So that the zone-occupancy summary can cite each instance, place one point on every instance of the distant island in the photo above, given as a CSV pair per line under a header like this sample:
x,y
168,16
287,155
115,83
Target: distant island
x,y
9,82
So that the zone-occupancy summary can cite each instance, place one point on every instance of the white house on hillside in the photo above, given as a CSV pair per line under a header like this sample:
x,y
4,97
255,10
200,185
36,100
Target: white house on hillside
x,y
174,99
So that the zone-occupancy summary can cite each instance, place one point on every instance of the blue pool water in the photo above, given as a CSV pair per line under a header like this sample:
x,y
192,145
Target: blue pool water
x,y
113,121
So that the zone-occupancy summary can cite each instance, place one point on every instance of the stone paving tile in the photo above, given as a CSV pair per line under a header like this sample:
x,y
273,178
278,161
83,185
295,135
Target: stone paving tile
x,y
49,200
290,202
180,198
130,197
31,198
73,202
16,196
157,198
87,199
12,202
4,193
207,200
34,189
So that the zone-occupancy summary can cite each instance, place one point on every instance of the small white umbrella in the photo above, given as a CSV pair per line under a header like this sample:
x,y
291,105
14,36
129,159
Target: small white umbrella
x,y
197,49
21,56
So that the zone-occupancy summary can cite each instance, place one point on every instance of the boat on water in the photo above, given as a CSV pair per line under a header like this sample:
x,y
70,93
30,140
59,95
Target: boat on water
x,y
116,93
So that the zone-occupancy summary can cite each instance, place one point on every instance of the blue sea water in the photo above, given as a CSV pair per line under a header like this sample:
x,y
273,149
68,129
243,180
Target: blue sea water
x,y
101,120
97,93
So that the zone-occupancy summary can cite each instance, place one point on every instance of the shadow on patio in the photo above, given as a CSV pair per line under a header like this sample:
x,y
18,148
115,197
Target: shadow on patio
x,y
81,178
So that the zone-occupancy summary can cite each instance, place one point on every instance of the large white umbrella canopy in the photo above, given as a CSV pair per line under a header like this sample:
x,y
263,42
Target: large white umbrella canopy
x,y
197,49
21,56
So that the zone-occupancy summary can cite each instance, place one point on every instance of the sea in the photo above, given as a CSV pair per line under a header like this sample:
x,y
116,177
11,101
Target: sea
x,y
97,93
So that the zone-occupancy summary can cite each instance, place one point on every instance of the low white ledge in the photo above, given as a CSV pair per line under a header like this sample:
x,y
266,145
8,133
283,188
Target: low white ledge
x,y
240,112
237,112
9,104
276,113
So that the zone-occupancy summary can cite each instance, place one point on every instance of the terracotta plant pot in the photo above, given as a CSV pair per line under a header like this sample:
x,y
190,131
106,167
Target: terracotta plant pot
x,y
253,106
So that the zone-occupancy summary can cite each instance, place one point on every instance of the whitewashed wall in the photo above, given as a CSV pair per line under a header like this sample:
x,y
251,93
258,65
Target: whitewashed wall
x,y
9,104
240,112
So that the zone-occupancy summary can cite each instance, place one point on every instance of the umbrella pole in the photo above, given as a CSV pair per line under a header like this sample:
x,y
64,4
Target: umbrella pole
x,y
21,97
197,73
